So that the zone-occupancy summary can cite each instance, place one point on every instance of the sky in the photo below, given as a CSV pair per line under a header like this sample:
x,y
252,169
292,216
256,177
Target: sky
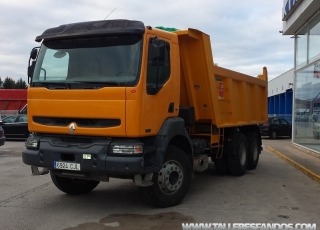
x,y
244,34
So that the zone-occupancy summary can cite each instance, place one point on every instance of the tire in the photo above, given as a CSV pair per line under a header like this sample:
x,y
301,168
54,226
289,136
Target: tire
x,y
73,186
238,155
221,165
253,150
273,135
169,191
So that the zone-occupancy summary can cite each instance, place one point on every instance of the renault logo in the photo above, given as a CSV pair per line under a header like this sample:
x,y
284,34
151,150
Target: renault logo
x,y
72,128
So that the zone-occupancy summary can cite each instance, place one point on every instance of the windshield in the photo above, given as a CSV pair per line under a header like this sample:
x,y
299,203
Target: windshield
x,y
82,62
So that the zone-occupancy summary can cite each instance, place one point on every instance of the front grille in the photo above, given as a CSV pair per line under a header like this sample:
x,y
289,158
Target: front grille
x,y
76,140
81,122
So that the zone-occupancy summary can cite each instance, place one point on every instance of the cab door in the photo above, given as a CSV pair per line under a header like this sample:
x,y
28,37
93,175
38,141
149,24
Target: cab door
x,y
160,98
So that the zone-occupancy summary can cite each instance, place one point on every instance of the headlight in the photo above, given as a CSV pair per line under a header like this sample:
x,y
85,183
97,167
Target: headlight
x,y
127,149
32,143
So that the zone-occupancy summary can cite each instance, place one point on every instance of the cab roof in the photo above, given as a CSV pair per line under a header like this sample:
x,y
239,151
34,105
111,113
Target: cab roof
x,y
105,27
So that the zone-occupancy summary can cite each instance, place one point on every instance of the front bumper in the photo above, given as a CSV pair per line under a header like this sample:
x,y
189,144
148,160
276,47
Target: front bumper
x,y
101,161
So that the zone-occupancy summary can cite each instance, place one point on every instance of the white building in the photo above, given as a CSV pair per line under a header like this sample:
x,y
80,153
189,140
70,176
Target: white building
x,y
301,19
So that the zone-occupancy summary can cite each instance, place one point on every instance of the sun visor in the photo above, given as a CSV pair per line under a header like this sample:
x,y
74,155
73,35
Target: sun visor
x,y
106,27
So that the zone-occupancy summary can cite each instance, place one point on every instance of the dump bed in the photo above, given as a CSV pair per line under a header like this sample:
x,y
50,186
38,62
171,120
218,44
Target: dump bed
x,y
224,97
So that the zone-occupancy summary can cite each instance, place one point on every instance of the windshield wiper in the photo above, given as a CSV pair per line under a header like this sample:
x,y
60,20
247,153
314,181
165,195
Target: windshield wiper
x,y
100,82
52,85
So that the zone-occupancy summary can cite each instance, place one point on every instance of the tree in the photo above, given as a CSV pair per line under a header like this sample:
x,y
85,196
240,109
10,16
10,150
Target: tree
x,y
8,83
20,84
1,82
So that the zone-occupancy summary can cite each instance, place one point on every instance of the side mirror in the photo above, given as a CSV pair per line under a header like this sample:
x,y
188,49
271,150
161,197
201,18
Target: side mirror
x,y
32,64
31,69
34,53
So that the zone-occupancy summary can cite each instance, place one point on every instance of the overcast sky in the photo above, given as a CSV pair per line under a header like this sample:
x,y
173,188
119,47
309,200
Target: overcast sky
x,y
244,33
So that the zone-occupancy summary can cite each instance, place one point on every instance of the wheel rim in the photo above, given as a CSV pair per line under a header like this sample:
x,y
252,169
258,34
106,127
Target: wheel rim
x,y
255,151
274,135
243,154
170,177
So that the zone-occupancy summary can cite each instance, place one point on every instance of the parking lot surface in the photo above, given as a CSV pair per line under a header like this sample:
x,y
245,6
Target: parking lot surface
x,y
276,192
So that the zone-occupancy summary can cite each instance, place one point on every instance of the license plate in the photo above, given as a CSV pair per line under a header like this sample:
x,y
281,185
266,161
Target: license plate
x,y
66,166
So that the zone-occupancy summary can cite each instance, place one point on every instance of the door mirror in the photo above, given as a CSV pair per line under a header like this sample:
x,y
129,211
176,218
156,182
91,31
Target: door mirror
x,y
32,62
31,69
34,53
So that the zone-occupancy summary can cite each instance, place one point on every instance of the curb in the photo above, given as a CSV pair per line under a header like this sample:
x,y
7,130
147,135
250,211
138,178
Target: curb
x,y
306,150
303,169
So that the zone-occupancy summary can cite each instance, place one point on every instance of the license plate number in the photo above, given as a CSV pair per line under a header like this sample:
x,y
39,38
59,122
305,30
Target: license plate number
x,y
66,166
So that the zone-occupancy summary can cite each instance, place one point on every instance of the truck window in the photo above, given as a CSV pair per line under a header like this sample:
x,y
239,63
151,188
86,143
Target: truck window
x,y
85,62
160,73
55,66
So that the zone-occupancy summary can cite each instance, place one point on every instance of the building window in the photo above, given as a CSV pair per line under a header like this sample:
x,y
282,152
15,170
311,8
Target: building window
x,y
301,48
306,103
314,40
307,85
307,43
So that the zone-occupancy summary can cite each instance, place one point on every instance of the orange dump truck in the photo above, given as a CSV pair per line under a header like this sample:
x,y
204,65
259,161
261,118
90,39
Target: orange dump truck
x,y
119,99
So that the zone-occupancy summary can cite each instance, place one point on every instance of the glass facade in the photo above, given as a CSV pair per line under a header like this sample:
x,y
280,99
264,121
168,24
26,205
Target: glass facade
x,y
307,86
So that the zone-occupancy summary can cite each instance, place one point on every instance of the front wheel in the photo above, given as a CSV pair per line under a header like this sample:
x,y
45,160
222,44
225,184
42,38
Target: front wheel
x,y
73,186
172,182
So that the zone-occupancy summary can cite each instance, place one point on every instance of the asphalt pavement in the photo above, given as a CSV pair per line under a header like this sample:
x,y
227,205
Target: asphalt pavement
x,y
275,192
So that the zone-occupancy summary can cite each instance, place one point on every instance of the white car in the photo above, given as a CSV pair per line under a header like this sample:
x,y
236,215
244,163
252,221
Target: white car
x,y
316,130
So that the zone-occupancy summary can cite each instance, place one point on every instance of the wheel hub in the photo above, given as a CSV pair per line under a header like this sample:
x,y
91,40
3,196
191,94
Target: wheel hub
x,y
170,177
243,154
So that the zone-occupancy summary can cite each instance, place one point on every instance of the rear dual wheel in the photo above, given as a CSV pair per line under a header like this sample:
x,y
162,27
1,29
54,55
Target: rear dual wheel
x,y
242,153
237,157
253,150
